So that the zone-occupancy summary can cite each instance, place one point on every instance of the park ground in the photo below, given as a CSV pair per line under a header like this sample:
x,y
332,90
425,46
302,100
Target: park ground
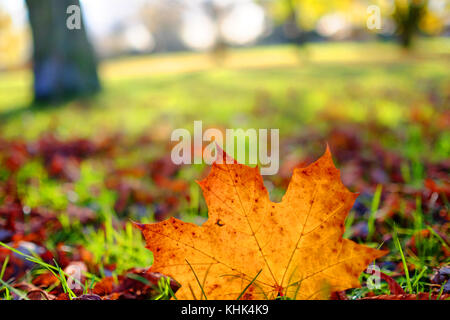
x,y
74,175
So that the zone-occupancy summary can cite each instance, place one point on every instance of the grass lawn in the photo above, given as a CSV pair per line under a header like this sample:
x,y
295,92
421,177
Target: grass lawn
x,y
384,112
356,81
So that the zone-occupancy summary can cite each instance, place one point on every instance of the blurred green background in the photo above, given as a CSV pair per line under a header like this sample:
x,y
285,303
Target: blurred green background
x,y
86,115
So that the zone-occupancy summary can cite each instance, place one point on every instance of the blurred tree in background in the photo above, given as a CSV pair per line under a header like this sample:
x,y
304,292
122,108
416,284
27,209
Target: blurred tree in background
x,y
64,65
408,17
413,16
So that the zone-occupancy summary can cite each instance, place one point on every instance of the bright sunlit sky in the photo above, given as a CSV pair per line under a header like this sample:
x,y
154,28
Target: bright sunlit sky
x,y
16,9
243,24
100,15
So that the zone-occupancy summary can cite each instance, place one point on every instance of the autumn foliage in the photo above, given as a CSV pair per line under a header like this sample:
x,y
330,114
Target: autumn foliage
x,y
252,248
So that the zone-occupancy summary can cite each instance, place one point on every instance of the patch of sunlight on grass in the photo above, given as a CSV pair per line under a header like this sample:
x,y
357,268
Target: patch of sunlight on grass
x,y
15,89
266,87
388,112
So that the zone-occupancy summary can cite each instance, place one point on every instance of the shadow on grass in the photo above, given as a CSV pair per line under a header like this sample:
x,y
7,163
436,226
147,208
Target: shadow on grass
x,y
36,107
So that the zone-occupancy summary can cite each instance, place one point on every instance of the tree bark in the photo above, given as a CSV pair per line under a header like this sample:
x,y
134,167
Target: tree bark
x,y
64,64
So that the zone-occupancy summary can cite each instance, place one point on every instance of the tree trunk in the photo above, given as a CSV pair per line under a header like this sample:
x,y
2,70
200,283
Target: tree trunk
x,y
408,19
64,64
291,28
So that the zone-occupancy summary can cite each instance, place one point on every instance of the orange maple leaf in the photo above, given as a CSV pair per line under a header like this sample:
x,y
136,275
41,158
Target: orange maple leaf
x,y
252,248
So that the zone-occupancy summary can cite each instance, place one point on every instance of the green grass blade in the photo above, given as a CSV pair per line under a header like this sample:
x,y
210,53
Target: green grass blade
x,y
11,288
438,237
5,263
373,212
419,276
198,281
405,266
248,286
348,224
